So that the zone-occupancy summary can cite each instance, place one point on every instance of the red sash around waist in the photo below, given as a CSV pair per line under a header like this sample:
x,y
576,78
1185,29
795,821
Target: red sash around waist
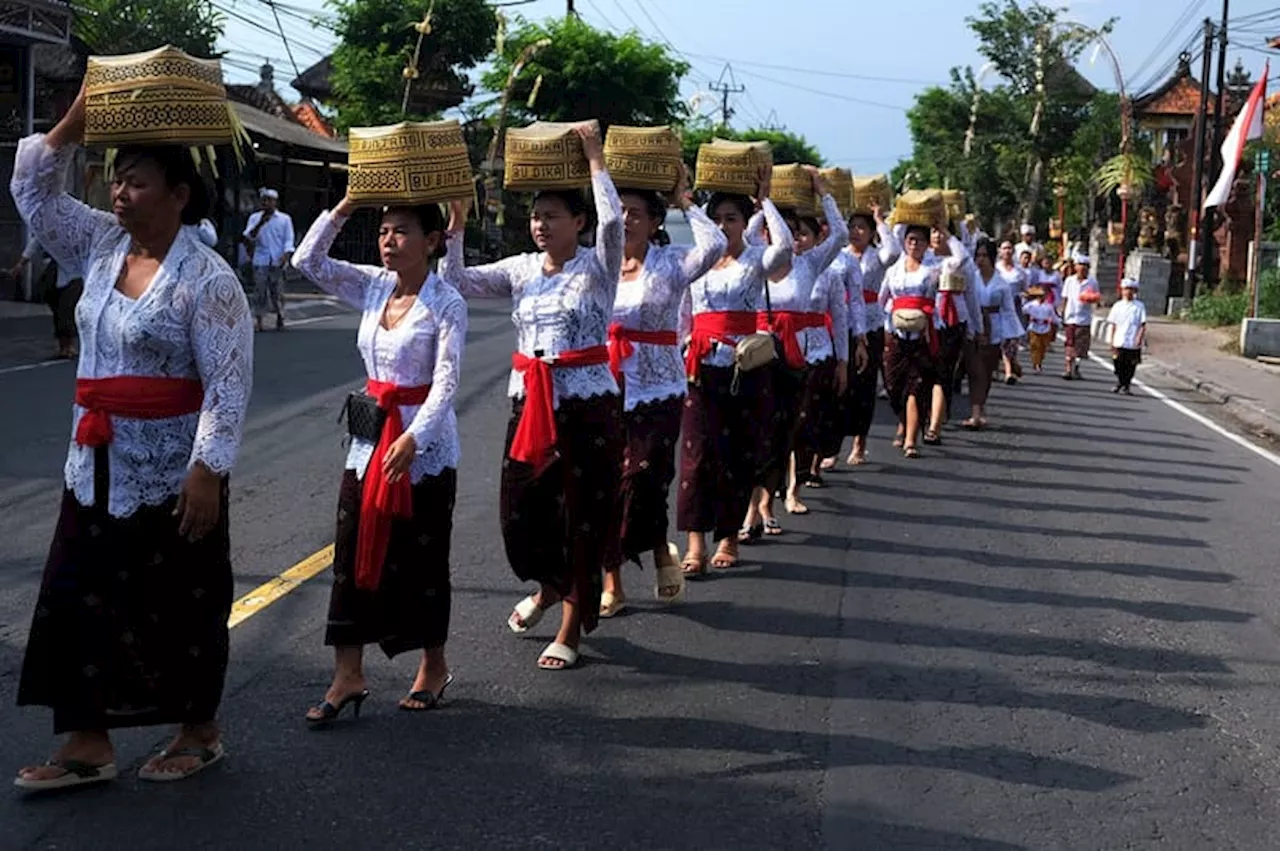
x,y
380,499
135,397
535,438
788,324
622,342
718,326
950,315
916,302
870,296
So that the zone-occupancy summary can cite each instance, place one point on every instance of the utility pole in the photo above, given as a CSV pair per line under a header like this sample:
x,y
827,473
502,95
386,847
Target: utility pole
x,y
726,89
1197,178
1206,236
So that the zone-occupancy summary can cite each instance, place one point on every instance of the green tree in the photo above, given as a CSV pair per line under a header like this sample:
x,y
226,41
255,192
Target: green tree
x,y
377,40
587,73
131,26
787,147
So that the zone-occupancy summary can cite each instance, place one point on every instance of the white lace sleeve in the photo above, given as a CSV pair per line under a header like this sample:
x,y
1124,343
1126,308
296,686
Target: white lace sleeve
x,y
491,280
778,255
754,234
347,281
854,304
825,252
839,314
709,244
684,325
222,340
610,233
451,334
890,245
65,228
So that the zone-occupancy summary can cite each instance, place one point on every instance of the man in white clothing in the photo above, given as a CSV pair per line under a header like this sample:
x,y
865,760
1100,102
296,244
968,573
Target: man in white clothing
x,y
1128,322
269,241
1079,294
1028,244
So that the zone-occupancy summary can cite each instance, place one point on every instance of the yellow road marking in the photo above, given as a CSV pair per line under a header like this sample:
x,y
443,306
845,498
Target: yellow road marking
x,y
269,592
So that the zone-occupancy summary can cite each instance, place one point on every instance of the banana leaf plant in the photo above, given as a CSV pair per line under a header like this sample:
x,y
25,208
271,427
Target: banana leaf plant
x,y
1128,173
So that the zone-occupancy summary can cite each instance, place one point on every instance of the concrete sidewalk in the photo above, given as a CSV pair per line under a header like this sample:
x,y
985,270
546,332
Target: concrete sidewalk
x,y
1204,360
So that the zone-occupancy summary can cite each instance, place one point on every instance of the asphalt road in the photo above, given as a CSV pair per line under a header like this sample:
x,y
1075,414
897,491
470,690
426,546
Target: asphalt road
x,y
1059,633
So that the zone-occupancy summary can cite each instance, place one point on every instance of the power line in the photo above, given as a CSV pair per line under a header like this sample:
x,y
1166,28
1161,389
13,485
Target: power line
x,y
1188,14
836,96
818,72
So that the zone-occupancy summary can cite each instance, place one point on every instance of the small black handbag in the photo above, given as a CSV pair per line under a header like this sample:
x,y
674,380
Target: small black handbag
x,y
364,418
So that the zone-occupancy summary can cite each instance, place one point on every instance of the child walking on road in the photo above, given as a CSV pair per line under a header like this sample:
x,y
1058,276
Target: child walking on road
x,y
1042,324
1128,321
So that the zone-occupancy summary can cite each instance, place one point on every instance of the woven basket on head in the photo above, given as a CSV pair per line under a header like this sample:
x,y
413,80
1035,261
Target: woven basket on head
x,y
409,163
955,203
793,189
920,207
161,97
545,155
841,182
643,157
733,167
871,192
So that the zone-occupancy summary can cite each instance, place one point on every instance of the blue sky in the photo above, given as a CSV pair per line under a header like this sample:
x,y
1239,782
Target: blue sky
x,y
843,71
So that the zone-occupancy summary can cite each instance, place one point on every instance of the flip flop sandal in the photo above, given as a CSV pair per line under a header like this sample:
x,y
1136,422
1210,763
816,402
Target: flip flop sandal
x,y
694,567
612,604
897,442
932,438
773,528
815,481
561,653
747,534
430,700
724,559
526,615
910,452
971,424
207,756
75,773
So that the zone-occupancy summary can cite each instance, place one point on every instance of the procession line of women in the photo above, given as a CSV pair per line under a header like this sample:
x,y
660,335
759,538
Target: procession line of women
x,y
130,627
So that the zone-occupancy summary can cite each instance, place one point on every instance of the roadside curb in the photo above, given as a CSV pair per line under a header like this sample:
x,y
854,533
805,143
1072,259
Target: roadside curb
x,y
1260,421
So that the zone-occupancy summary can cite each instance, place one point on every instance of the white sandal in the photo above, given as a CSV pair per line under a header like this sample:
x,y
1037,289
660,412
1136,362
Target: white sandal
x,y
526,616
611,604
670,576
561,652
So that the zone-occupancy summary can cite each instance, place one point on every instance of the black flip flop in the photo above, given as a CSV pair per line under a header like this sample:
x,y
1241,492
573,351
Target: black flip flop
x,y
77,773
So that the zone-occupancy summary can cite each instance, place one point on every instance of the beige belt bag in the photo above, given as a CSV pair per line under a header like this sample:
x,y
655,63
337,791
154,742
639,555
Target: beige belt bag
x,y
754,351
910,320
953,283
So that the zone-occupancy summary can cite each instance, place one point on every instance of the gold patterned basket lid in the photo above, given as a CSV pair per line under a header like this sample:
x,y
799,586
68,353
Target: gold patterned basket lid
x,y
643,157
409,163
923,207
161,97
793,189
733,167
955,202
874,191
841,182
545,155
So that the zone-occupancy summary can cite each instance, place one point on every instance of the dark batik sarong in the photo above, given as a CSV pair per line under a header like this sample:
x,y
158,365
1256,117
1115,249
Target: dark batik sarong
x,y
862,388
652,431
909,370
130,627
819,415
950,351
1079,338
788,391
409,610
559,525
724,439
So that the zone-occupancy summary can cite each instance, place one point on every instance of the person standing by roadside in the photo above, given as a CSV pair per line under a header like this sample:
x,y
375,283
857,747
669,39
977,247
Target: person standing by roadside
x,y
269,241
1079,294
564,446
395,505
130,627
62,295
1128,322
645,352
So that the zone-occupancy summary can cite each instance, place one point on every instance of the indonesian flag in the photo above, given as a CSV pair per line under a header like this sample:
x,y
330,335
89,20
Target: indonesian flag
x,y
1247,126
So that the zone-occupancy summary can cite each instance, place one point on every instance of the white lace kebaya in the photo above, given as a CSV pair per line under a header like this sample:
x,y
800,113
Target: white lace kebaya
x,y
193,321
738,286
867,273
424,348
565,312
651,302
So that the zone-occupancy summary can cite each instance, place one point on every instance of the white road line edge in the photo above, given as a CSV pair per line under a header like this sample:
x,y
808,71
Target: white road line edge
x,y
1200,418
